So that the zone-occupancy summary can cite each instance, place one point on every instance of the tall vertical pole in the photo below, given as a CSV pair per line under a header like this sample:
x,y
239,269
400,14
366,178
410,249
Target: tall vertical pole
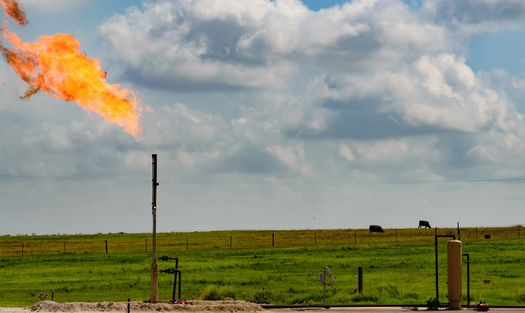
x,y
154,283
436,254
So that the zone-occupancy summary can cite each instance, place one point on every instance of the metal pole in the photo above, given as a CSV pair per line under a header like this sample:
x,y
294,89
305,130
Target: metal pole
x,y
436,245
468,277
180,284
154,282
360,279
436,253
175,280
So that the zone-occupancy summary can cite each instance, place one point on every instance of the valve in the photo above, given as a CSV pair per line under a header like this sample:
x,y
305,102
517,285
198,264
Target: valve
x,y
169,270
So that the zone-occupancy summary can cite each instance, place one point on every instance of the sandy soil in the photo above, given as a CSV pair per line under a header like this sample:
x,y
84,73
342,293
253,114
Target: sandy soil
x,y
191,306
211,306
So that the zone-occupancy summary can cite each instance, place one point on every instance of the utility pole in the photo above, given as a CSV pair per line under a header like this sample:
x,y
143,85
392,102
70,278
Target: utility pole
x,y
154,283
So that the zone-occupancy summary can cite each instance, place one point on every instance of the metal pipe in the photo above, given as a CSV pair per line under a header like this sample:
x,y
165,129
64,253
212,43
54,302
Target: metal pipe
x,y
175,280
436,250
154,282
468,278
180,283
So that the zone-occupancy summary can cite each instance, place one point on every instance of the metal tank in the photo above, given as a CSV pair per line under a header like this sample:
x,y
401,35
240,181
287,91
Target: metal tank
x,y
454,274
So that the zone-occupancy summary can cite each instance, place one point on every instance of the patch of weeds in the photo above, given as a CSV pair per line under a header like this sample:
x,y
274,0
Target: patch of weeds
x,y
306,299
135,283
227,292
365,298
263,295
392,291
211,292
292,290
340,298
411,295
42,295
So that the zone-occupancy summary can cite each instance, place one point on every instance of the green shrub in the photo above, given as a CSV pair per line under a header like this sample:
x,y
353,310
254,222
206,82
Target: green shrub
x,y
211,293
42,295
227,291
264,295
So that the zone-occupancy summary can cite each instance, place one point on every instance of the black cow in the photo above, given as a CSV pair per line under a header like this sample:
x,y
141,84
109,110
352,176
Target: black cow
x,y
425,224
376,229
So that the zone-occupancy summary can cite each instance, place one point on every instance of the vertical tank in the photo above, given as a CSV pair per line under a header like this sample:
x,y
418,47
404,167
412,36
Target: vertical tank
x,y
454,274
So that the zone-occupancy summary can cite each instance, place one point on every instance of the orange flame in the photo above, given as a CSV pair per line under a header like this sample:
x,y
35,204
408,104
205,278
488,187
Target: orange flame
x,y
56,65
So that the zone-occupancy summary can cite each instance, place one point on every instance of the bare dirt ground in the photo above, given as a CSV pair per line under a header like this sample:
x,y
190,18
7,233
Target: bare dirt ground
x,y
139,307
211,307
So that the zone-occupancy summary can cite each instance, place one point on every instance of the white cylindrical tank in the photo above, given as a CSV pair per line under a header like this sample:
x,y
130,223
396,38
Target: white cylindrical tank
x,y
454,274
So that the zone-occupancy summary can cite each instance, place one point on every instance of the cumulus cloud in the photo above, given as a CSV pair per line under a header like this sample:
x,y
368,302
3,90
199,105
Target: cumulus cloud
x,y
370,70
262,91
476,17
188,45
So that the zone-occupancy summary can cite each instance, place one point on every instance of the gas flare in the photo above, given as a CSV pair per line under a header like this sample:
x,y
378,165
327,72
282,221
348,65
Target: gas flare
x,y
56,65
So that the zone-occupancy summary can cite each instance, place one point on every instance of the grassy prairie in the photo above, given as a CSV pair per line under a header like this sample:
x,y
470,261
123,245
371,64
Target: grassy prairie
x,y
278,267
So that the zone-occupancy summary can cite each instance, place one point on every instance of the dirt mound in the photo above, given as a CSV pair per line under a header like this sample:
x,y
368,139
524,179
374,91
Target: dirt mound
x,y
191,306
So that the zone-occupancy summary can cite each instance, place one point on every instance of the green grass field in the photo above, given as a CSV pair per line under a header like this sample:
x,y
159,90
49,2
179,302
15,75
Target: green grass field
x,y
277,267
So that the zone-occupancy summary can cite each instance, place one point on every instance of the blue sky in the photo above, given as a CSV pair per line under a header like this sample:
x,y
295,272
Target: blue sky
x,y
275,115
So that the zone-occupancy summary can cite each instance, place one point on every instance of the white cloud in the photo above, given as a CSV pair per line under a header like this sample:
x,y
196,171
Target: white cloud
x,y
250,94
474,17
346,152
189,44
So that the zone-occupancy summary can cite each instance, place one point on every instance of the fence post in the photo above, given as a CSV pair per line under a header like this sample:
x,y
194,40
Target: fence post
x,y
360,279
106,246
273,240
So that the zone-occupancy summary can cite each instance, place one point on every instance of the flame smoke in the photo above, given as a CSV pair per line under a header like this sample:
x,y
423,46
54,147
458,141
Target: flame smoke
x,y
56,65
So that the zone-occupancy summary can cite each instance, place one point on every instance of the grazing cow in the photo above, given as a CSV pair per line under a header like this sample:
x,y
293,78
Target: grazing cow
x,y
376,229
425,224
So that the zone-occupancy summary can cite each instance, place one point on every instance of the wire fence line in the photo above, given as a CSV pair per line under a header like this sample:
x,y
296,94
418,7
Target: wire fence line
x,y
237,240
